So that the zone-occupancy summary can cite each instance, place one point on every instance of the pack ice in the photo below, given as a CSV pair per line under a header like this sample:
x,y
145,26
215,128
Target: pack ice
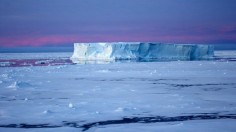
x,y
140,51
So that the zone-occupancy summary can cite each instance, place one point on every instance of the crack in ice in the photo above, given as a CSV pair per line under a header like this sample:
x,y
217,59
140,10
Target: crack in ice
x,y
125,120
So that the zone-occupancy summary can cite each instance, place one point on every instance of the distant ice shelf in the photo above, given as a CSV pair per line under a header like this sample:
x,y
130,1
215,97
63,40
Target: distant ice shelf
x,y
140,51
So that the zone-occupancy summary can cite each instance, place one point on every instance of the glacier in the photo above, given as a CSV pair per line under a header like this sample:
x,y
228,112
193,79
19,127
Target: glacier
x,y
140,51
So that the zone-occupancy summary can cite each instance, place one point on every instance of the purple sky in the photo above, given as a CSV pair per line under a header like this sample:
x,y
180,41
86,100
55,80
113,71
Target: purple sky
x,y
60,22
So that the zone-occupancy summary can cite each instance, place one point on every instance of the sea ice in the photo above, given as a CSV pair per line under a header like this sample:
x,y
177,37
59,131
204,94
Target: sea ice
x,y
167,96
19,84
5,64
71,105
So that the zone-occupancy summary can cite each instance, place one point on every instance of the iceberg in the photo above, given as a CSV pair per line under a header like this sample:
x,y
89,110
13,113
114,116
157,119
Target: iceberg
x,y
140,51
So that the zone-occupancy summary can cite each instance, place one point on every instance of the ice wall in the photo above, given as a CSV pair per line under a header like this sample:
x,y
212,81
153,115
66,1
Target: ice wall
x,y
140,51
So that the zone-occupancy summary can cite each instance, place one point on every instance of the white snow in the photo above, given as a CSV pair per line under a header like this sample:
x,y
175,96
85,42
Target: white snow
x,y
103,92
140,51
71,105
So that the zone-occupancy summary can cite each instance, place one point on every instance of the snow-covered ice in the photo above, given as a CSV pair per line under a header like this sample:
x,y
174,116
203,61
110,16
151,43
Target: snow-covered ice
x,y
53,55
140,51
120,96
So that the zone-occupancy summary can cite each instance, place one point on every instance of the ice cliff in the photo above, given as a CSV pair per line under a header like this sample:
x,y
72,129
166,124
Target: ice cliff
x,y
140,51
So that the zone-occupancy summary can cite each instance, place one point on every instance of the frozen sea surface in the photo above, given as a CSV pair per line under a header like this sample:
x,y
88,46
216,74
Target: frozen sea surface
x,y
122,96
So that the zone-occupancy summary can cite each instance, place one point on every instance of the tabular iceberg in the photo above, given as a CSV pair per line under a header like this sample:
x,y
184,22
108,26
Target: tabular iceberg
x,y
140,51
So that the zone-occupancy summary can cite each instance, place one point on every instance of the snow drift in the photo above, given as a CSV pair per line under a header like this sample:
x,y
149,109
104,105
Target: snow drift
x,y
140,51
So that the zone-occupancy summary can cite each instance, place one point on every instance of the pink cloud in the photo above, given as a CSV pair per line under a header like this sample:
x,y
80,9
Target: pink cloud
x,y
228,29
38,40
62,39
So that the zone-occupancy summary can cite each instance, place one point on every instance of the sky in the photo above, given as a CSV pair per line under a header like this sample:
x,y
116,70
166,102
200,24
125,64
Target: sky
x,y
63,22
